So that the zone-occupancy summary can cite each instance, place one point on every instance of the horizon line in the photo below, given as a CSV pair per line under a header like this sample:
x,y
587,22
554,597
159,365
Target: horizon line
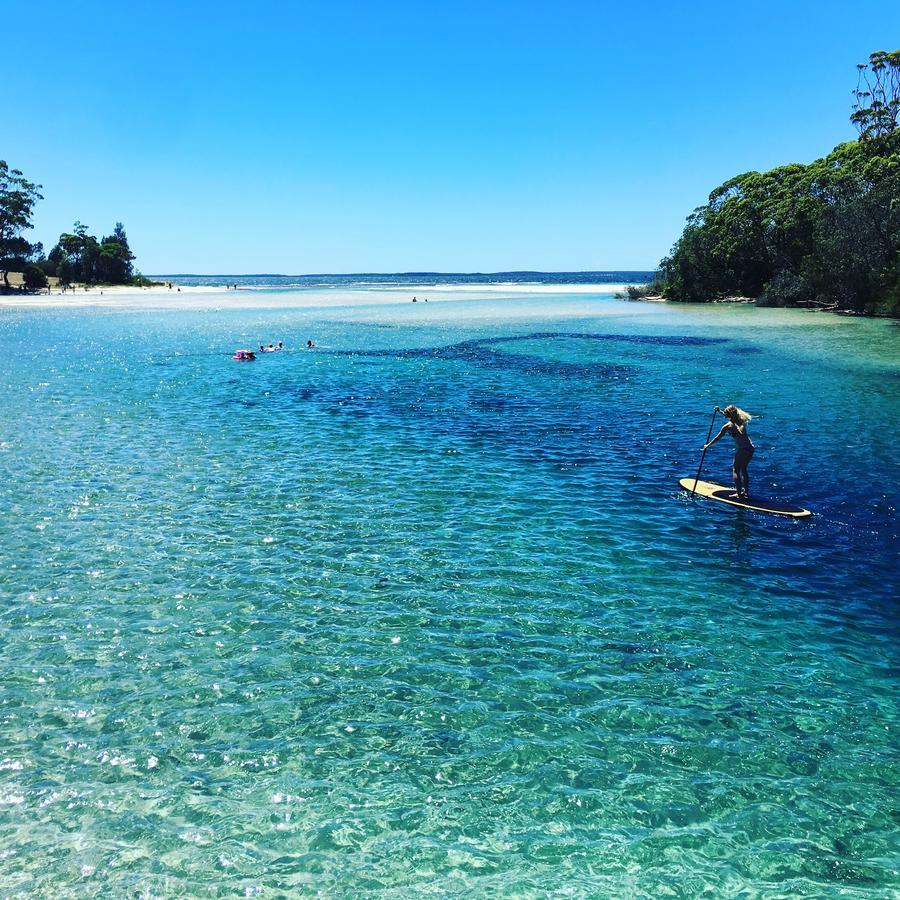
x,y
354,274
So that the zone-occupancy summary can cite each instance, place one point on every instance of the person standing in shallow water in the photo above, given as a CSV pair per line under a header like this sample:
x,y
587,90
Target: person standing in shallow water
x,y
736,426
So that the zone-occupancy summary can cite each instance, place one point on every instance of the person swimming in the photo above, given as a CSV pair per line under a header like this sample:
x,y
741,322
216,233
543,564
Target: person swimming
x,y
736,426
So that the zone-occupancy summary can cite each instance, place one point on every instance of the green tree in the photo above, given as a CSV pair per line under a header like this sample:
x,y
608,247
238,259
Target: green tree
x,y
65,271
876,109
79,252
79,256
826,234
114,262
858,230
17,199
34,277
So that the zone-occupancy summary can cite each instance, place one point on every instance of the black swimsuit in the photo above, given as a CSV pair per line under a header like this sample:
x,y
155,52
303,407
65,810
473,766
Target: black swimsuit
x,y
741,439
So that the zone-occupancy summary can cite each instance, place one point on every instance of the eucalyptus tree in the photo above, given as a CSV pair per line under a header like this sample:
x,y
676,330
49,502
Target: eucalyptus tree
x,y
17,198
79,256
114,262
876,109
825,234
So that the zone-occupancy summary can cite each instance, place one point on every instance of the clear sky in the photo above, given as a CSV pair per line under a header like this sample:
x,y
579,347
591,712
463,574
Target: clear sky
x,y
397,136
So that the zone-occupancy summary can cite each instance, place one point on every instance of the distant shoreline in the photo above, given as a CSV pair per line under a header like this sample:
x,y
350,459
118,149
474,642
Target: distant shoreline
x,y
598,276
198,296
414,280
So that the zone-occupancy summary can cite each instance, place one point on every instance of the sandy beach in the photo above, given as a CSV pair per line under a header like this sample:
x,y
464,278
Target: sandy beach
x,y
205,297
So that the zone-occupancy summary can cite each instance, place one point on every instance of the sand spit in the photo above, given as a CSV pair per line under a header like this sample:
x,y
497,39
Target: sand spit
x,y
263,296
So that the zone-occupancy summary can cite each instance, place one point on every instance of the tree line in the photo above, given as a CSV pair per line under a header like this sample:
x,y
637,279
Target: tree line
x,y
79,256
825,234
76,257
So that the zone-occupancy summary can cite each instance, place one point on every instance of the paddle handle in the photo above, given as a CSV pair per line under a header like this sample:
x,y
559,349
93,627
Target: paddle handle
x,y
703,455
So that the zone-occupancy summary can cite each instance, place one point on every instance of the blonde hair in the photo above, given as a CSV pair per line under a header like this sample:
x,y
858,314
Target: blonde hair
x,y
735,412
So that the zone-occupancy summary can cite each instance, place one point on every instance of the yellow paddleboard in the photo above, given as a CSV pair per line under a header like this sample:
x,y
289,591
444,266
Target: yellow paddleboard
x,y
726,495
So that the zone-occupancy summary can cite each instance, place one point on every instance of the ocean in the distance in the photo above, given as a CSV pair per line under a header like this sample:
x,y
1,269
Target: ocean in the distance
x,y
415,279
423,612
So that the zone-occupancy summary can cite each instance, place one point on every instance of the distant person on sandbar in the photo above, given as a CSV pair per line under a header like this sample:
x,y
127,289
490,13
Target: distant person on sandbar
x,y
414,300
736,426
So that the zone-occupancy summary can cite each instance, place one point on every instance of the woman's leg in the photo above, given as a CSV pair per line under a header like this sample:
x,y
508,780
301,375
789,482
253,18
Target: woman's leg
x,y
741,460
736,475
746,477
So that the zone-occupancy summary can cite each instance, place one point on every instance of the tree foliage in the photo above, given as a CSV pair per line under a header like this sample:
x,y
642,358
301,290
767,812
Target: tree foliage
x,y
826,234
877,95
17,199
114,264
34,277
79,256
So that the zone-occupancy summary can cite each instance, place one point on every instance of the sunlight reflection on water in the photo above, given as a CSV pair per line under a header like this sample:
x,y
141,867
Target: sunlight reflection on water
x,y
423,609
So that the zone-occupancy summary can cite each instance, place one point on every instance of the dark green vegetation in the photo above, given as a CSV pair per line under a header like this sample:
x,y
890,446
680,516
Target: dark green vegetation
x,y
17,199
823,235
78,256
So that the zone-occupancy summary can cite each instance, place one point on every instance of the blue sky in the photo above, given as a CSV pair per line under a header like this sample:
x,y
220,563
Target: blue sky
x,y
351,137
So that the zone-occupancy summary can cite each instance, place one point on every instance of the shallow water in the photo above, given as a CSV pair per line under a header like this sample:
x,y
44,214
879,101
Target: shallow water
x,y
423,610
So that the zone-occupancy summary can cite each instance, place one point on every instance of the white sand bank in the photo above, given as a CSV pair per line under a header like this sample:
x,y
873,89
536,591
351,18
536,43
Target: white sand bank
x,y
206,297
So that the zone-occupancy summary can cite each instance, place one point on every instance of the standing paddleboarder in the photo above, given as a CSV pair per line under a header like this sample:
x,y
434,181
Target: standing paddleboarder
x,y
736,426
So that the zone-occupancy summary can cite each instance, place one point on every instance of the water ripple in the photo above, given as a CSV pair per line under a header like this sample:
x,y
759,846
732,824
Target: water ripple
x,y
429,616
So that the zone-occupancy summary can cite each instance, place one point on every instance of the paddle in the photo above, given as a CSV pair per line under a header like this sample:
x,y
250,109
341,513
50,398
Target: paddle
x,y
703,456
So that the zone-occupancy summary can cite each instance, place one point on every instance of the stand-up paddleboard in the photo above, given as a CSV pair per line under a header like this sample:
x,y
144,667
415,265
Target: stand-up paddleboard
x,y
726,495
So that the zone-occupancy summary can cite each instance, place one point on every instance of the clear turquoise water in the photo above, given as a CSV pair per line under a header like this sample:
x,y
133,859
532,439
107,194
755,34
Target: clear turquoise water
x,y
423,611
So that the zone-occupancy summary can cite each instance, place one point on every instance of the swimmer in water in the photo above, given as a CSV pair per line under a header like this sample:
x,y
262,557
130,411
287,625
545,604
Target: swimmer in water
x,y
736,426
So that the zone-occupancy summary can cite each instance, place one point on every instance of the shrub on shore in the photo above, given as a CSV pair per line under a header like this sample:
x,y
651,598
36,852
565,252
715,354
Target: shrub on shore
x,y
142,281
34,277
641,291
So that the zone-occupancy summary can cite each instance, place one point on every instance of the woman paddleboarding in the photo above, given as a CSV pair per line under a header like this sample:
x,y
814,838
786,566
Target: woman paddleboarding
x,y
736,426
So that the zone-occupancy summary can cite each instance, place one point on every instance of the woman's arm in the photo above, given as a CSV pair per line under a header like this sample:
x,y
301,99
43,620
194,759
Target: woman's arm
x,y
722,431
